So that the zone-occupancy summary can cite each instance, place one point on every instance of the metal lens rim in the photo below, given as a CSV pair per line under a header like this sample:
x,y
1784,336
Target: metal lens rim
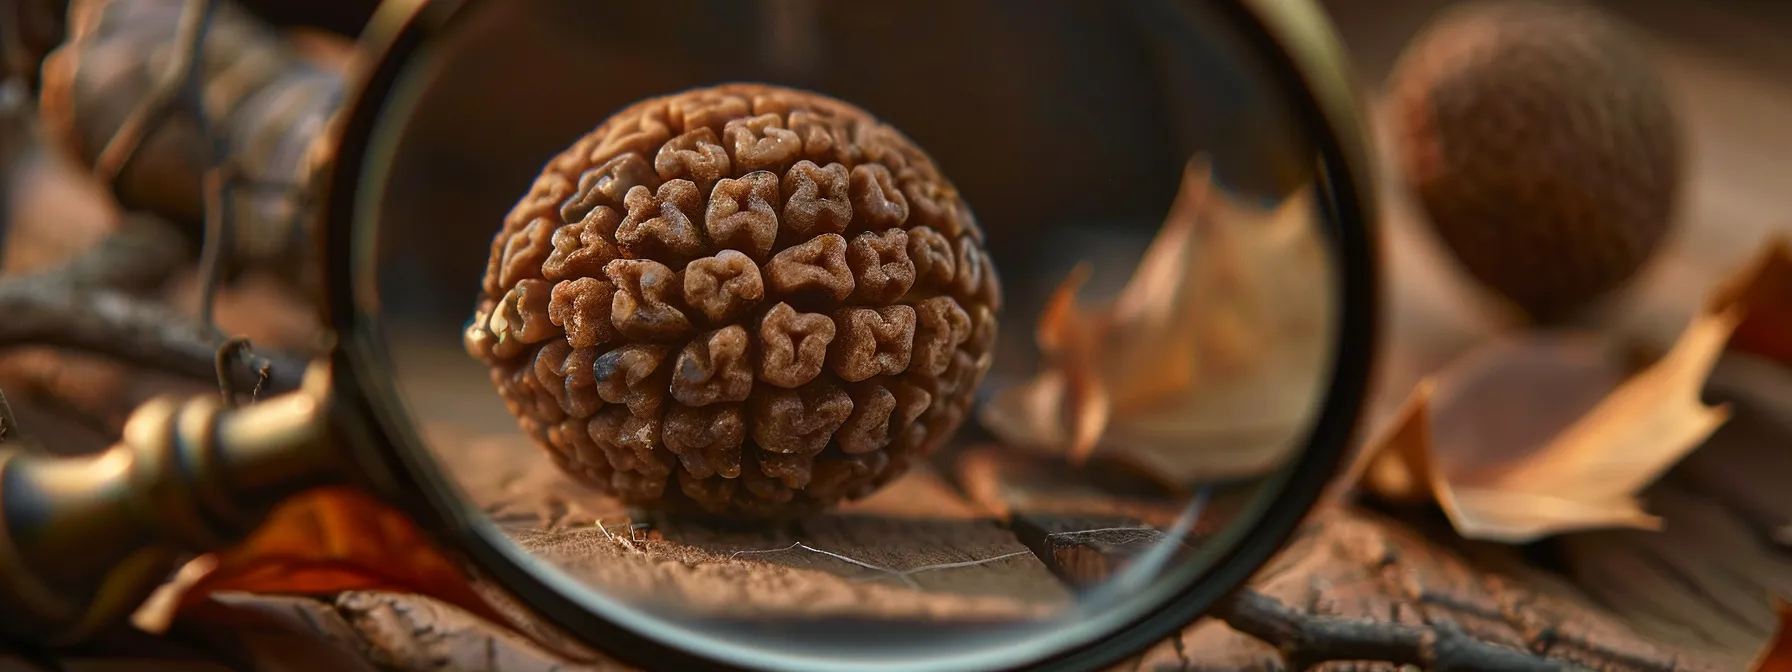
x,y
1295,41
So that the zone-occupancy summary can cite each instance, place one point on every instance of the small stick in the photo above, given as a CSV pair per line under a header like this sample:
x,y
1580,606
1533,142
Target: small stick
x,y
127,329
1306,640
211,250
91,303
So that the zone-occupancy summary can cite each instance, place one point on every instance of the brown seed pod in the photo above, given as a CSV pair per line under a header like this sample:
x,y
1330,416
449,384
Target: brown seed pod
x,y
1540,140
742,300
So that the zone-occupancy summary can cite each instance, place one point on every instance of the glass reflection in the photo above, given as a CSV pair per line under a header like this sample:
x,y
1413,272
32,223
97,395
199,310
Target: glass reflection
x,y
1039,292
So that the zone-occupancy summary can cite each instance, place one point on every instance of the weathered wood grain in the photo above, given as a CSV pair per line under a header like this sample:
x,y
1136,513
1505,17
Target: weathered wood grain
x,y
409,632
1627,601
1347,563
869,559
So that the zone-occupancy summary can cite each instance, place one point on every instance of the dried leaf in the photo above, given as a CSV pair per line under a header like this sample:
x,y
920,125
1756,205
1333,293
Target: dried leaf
x,y
338,539
1206,365
334,540
1777,656
1556,469
1698,584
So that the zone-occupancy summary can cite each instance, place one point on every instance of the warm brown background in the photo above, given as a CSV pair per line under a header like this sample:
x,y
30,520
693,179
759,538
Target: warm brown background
x,y
1731,66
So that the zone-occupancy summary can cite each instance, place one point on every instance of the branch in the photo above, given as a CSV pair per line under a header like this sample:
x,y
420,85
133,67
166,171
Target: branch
x,y
114,324
1306,640
142,254
154,134
90,304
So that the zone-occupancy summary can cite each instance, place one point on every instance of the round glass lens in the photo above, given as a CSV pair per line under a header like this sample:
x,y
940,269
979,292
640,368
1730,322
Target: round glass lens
x,y
888,332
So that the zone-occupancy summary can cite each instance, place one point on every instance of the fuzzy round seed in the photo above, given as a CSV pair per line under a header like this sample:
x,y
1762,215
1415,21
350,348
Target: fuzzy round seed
x,y
1542,145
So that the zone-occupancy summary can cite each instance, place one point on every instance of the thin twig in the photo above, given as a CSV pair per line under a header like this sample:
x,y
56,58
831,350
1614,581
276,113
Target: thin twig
x,y
181,83
211,249
88,304
154,109
15,127
1132,528
1306,640
219,232
9,423
220,228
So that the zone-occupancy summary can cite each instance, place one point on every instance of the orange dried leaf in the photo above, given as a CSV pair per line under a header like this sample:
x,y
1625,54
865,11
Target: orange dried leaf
x,y
1777,655
1071,340
334,540
1208,362
1555,464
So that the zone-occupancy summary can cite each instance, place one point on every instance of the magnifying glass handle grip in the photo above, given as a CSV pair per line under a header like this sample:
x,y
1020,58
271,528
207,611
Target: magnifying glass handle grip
x,y
85,539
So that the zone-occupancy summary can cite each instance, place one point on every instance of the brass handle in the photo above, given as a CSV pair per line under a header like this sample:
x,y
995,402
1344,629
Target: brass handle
x,y
84,540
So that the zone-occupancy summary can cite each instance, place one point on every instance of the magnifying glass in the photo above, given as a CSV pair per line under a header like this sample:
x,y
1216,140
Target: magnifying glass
x,y
924,335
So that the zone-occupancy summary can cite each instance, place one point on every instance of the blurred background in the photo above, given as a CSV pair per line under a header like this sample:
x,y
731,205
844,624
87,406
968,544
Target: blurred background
x,y
1067,63
1728,64
1065,124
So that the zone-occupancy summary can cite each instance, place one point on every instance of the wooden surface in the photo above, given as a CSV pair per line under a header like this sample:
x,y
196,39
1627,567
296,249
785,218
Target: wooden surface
x,y
1675,600
759,572
1619,600
1347,562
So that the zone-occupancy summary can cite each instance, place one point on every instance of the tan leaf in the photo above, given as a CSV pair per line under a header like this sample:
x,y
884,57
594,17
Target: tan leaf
x,y
1698,584
1208,362
1507,451
1777,656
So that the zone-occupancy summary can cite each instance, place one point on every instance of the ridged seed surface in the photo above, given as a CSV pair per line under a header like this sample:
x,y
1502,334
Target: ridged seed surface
x,y
741,300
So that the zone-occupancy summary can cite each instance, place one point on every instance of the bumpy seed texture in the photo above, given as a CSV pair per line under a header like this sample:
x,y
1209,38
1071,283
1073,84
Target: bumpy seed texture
x,y
743,300
1541,141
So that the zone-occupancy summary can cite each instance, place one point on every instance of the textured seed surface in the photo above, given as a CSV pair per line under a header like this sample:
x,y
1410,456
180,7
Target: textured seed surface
x,y
1540,140
742,300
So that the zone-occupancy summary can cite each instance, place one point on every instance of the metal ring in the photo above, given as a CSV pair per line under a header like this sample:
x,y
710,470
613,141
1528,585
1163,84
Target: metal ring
x,y
1295,41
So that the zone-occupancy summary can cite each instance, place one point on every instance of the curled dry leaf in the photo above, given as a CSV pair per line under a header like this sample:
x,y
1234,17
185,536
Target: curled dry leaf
x,y
1543,434
1699,584
334,540
1777,656
1207,364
